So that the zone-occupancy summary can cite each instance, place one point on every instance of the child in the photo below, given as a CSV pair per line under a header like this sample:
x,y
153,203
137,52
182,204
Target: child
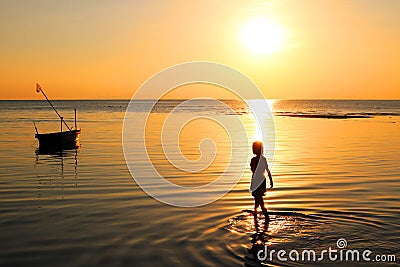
x,y
258,185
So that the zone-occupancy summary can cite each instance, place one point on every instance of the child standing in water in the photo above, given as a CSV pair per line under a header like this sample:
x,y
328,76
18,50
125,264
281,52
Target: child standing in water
x,y
258,185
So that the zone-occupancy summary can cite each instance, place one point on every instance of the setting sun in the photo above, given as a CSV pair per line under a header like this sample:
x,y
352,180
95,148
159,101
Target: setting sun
x,y
262,36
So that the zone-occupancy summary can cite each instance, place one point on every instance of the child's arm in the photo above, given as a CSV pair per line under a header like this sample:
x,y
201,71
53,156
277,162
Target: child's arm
x,y
253,165
269,175
270,178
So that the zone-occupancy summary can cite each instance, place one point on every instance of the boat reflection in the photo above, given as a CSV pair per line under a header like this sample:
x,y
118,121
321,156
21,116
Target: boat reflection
x,y
56,170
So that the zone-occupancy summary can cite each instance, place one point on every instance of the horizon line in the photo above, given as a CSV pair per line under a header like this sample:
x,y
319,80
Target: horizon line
x,y
181,99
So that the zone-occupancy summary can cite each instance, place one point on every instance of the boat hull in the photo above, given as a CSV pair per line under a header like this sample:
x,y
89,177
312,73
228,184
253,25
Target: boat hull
x,y
59,140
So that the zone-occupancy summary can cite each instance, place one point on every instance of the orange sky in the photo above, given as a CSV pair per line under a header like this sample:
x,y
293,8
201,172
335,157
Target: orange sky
x,y
97,49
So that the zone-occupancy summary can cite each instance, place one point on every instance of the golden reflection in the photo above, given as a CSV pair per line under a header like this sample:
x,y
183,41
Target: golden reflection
x,y
198,130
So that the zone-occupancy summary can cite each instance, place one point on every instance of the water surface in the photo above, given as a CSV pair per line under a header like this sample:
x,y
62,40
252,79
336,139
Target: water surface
x,y
334,178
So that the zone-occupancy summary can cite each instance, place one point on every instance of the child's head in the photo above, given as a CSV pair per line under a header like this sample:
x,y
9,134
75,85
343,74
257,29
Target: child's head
x,y
258,148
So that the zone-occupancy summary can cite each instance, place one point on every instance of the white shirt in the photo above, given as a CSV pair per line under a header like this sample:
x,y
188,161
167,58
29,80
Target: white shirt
x,y
259,175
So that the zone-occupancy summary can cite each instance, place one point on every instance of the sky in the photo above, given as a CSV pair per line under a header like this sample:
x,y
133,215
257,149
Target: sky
x,y
101,49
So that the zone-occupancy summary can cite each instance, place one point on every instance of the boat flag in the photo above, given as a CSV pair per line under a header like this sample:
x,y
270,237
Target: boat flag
x,y
38,88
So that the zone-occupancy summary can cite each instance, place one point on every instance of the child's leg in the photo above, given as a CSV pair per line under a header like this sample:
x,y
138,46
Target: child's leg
x,y
256,203
264,209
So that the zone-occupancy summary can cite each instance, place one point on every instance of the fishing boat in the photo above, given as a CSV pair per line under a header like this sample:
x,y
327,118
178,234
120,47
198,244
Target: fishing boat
x,y
57,141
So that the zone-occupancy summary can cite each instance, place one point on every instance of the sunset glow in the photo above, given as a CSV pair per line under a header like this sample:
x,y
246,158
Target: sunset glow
x,y
290,49
199,133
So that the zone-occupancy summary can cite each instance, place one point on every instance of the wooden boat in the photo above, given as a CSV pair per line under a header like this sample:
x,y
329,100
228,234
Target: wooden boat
x,y
57,141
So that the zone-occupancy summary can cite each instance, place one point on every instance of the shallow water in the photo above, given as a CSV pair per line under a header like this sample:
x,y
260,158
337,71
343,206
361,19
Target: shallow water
x,y
333,179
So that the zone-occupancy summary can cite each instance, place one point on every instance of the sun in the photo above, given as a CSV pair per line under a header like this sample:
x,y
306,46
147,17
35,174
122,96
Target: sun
x,y
262,36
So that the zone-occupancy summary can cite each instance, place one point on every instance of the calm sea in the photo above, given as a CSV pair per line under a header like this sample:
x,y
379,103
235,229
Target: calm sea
x,y
335,169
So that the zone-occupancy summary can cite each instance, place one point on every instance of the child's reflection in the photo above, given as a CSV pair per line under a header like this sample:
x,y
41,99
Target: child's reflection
x,y
258,239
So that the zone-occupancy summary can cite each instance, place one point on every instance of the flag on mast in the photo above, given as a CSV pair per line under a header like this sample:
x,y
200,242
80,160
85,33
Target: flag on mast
x,y
38,88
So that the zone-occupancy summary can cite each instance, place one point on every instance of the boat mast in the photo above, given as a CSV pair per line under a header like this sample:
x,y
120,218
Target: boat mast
x,y
76,128
34,124
39,89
